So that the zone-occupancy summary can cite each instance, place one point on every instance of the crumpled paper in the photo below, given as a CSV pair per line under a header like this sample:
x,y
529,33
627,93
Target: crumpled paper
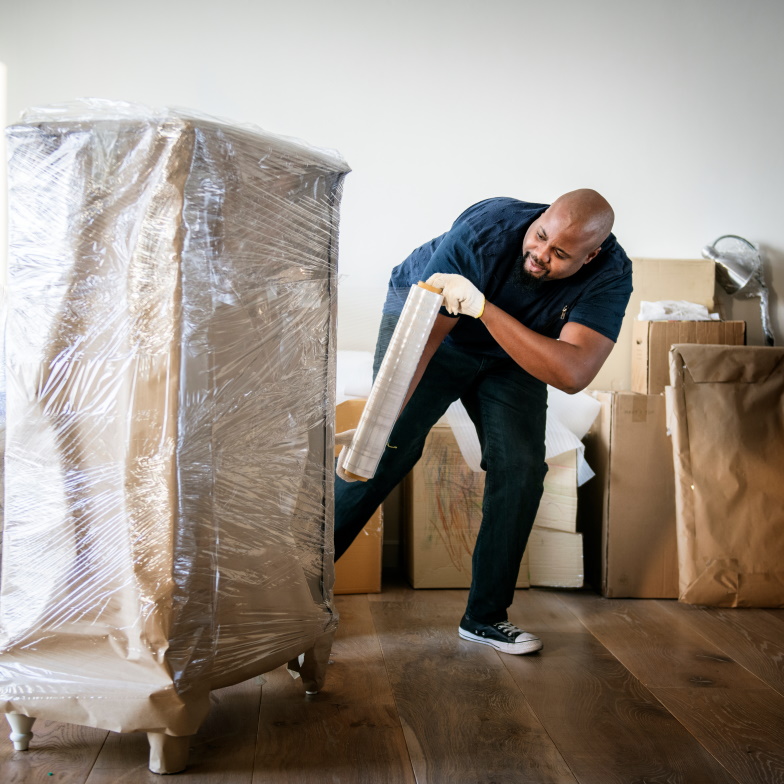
x,y
675,310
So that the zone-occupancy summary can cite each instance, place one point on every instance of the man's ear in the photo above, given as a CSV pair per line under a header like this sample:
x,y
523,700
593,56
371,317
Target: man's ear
x,y
592,255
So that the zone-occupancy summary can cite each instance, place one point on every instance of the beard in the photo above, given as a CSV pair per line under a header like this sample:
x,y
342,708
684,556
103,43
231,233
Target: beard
x,y
523,278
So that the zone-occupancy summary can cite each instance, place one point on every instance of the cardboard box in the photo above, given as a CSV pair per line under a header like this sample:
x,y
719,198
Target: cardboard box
x,y
555,558
444,511
692,280
627,511
652,341
726,413
359,570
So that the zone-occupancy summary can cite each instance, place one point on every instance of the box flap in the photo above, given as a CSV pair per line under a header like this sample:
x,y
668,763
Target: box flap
x,y
724,364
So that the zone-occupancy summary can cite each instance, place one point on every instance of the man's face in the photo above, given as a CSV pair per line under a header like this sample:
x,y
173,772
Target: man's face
x,y
555,246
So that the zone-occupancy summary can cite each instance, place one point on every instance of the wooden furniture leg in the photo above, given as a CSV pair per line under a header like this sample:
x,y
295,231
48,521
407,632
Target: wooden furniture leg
x,y
311,666
167,753
21,730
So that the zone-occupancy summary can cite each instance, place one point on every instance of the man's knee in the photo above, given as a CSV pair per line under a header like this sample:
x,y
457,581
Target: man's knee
x,y
516,464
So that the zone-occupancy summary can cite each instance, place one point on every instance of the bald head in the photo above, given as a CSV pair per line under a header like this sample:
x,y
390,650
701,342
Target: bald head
x,y
588,209
567,235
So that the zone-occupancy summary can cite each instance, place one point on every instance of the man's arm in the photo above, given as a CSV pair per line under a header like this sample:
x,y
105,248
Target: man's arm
x,y
441,328
569,363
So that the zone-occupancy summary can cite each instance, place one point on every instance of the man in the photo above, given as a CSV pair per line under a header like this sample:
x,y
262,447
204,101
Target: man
x,y
533,295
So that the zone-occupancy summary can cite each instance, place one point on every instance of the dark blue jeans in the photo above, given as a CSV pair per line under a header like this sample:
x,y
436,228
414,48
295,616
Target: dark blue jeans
x,y
508,407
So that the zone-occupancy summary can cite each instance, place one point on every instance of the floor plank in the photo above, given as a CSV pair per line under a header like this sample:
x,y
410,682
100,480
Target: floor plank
x,y
742,729
221,753
625,691
327,743
751,637
464,719
609,728
730,711
658,648
350,731
778,614
66,751
396,589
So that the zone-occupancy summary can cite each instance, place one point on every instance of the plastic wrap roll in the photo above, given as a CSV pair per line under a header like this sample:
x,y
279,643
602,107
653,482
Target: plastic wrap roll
x,y
393,380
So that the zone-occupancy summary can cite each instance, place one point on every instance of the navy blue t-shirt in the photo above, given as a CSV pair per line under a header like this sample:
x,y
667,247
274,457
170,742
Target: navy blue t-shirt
x,y
484,245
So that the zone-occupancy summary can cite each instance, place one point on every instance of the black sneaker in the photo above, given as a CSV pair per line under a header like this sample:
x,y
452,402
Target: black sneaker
x,y
503,636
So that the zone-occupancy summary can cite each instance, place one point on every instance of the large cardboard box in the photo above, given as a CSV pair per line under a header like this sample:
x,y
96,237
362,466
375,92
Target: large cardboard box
x,y
359,570
627,511
653,280
444,511
726,414
652,341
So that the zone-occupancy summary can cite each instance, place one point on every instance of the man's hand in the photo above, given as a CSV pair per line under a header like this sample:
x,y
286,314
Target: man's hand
x,y
343,440
461,297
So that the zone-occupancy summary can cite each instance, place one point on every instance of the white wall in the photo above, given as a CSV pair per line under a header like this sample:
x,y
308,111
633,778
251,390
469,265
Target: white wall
x,y
674,109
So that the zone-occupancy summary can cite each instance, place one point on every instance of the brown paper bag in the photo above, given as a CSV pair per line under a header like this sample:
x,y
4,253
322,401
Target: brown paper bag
x,y
726,414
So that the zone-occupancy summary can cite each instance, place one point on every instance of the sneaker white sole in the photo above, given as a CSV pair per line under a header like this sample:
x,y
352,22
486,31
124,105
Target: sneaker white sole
x,y
515,648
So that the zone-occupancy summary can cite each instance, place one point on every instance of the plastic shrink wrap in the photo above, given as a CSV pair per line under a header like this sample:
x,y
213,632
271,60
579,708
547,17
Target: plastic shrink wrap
x,y
170,366
392,382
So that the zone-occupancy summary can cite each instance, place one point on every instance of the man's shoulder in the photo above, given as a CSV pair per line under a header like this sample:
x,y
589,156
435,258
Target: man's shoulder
x,y
617,263
611,270
501,212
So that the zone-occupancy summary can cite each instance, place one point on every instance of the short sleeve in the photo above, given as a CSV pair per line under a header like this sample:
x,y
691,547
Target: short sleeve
x,y
603,309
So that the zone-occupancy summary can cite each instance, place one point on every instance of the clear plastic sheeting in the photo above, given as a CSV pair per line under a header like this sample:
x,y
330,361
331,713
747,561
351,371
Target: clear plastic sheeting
x,y
393,380
170,367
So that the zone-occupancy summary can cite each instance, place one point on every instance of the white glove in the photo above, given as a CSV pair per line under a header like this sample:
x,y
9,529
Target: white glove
x,y
344,439
461,297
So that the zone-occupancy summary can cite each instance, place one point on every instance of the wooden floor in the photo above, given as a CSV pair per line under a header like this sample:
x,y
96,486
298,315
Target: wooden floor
x,y
625,691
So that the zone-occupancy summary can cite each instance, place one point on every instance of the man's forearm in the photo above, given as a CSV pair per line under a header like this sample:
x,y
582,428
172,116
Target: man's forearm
x,y
565,365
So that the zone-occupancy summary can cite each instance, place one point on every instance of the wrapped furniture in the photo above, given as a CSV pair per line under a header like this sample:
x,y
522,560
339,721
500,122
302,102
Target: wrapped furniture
x,y
725,410
170,350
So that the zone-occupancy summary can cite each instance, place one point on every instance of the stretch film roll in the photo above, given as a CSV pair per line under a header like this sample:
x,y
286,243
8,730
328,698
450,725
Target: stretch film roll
x,y
393,380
